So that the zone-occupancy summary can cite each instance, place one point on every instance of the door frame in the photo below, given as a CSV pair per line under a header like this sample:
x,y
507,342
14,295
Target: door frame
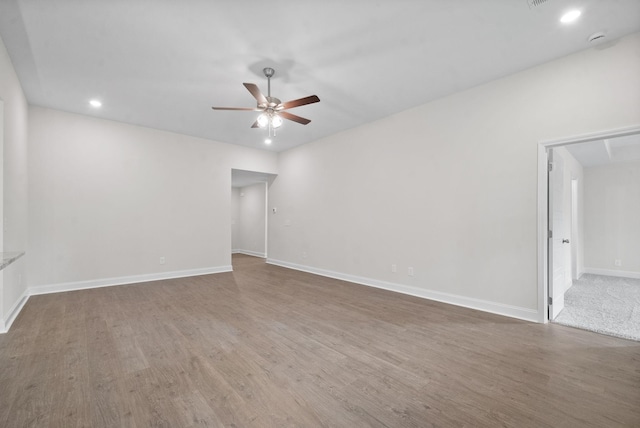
x,y
543,203
573,246
256,177
557,223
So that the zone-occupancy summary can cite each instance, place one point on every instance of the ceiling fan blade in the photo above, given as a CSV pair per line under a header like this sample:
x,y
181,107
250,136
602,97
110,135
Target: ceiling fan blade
x,y
255,91
299,102
238,108
293,117
255,124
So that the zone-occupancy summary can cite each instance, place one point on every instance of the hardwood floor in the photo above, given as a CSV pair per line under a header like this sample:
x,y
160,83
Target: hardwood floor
x,y
271,347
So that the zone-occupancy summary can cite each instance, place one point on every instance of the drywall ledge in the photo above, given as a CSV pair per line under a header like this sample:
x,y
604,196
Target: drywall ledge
x,y
452,299
9,257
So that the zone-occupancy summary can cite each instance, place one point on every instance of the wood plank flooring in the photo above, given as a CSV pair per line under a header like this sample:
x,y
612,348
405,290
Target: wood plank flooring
x,y
266,346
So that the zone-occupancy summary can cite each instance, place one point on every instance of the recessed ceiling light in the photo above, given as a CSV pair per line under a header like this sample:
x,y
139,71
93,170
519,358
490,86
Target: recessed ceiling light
x,y
95,103
570,16
267,141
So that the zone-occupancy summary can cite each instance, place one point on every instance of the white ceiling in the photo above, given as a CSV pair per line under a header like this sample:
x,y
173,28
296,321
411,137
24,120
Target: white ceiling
x,y
604,152
164,63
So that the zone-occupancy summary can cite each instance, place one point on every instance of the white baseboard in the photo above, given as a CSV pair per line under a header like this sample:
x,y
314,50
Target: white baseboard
x,y
123,280
611,272
5,324
249,253
97,283
453,299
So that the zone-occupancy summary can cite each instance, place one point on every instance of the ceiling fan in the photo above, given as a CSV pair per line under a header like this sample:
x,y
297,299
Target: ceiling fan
x,y
273,110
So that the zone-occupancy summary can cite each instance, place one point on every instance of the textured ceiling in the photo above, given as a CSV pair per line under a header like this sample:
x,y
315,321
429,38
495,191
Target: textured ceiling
x,y
164,63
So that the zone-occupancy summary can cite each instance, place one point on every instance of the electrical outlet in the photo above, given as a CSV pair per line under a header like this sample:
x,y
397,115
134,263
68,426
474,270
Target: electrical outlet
x,y
304,254
162,260
617,262
394,268
410,271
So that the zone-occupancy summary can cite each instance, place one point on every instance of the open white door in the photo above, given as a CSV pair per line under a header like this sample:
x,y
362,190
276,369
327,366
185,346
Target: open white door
x,y
557,268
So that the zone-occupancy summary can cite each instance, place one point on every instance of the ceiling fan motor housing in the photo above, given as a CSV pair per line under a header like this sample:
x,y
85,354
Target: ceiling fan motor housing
x,y
269,72
273,102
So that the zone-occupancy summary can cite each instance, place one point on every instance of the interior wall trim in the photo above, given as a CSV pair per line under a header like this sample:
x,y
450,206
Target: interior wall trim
x,y
452,299
250,253
124,280
5,324
611,272
543,182
98,283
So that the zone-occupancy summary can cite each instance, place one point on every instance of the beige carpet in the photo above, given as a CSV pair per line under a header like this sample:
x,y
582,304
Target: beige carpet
x,y
604,304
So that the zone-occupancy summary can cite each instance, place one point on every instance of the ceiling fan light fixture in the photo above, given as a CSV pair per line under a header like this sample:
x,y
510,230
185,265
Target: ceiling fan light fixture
x,y
263,120
276,121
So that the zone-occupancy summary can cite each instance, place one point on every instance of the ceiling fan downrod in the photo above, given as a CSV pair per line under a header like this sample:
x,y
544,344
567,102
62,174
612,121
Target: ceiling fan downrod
x,y
268,72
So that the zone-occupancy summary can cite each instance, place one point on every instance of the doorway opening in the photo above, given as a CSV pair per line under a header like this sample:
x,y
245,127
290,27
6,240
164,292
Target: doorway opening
x,y
568,244
249,209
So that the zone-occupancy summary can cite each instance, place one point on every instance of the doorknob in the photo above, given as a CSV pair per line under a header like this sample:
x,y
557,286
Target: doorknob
x,y
565,241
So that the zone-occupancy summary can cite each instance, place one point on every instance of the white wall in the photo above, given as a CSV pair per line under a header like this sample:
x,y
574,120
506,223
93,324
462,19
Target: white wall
x,y
14,188
251,228
448,188
235,219
1,179
573,170
107,200
612,218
